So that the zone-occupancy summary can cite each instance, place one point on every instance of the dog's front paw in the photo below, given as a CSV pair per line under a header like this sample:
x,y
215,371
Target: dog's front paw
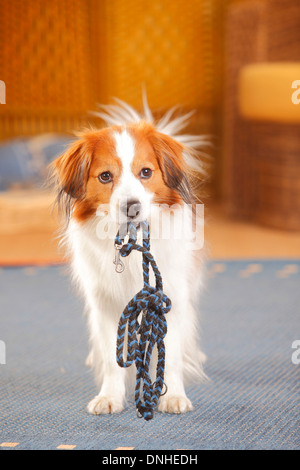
x,y
105,405
174,404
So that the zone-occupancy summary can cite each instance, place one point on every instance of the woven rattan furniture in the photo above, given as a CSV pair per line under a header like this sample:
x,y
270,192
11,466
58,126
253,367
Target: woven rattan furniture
x,y
261,160
46,64
59,58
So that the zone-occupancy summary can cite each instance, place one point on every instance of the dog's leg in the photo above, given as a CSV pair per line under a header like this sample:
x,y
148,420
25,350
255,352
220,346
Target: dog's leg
x,y
111,396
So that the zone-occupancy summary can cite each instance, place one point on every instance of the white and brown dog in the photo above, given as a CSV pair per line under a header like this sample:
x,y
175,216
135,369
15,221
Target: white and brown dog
x,y
135,170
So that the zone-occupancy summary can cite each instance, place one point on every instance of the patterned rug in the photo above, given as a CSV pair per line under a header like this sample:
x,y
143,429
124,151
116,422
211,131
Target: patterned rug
x,y
250,322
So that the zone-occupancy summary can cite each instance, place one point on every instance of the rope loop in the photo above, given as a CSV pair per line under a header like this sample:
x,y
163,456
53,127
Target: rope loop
x,y
153,305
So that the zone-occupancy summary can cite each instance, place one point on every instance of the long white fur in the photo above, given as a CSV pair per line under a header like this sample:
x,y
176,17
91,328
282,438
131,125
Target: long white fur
x,y
122,114
107,292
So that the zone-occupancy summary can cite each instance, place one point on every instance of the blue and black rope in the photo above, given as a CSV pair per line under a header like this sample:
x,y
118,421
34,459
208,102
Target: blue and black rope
x,y
142,337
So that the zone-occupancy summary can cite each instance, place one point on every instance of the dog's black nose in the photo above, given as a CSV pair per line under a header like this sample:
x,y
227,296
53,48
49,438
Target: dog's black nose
x,y
131,208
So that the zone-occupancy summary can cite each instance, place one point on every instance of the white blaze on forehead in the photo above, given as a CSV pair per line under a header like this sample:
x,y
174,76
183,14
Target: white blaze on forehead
x,y
129,186
125,148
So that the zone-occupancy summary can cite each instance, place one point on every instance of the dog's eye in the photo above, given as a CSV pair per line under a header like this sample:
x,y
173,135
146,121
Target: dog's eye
x,y
105,177
146,173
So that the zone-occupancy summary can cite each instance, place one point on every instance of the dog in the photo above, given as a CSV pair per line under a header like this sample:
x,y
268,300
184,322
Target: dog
x,y
134,169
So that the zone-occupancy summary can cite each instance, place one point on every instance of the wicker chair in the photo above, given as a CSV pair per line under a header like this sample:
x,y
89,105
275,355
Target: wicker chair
x,y
60,58
46,63
261,159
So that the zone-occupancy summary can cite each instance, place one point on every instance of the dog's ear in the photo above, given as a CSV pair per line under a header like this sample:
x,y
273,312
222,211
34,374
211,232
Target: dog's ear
x,y
169,154
72,169
70,173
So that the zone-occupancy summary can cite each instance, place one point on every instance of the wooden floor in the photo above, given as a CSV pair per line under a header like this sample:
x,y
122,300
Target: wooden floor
x,y
232,239
30,236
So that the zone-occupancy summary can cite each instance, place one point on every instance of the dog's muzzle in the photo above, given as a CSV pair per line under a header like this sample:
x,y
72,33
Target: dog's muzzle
x,y
131,209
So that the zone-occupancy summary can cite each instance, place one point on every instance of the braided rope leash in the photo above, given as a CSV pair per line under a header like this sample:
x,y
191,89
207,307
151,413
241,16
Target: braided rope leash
x,y
153,304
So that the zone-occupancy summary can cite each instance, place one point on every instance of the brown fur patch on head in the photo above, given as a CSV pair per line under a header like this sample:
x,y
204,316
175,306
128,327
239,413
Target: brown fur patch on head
x,y
171,182
172,165
76,173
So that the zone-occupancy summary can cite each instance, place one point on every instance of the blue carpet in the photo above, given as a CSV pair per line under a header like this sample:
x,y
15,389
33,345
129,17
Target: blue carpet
x,y
250,316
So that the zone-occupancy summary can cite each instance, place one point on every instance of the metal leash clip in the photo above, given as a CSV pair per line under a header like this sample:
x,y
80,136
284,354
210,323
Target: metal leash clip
x,y
117,261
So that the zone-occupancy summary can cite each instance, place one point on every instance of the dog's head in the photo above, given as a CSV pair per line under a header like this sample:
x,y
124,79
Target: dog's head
x,y
123,169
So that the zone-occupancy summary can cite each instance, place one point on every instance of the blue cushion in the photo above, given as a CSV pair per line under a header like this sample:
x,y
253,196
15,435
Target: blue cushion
x,y
24,160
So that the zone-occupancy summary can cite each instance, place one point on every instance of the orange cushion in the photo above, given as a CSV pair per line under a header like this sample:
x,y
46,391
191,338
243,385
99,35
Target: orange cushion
x,y
270,91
